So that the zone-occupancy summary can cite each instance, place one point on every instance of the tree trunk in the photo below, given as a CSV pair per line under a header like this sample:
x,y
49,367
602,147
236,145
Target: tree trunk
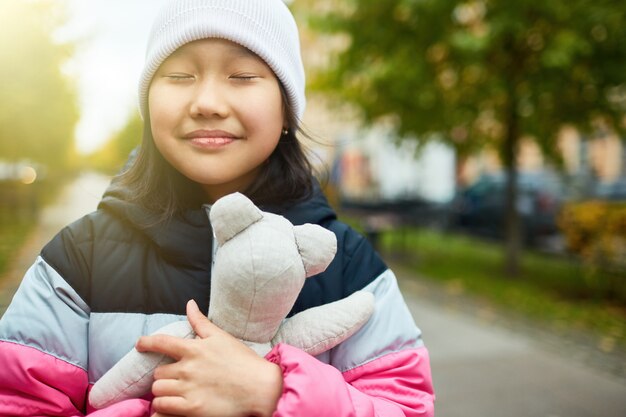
x,y
512,223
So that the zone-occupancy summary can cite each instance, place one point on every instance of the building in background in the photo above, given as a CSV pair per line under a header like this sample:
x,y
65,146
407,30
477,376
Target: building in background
x,y
587,162
374,167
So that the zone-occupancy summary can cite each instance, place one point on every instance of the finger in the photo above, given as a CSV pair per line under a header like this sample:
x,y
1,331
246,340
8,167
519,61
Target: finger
x,y
169,371
199,322
163,415
170,405
166,388
160,343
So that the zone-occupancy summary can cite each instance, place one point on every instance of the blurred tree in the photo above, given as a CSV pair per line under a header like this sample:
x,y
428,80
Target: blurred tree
x,y
478,72
110,158
38,110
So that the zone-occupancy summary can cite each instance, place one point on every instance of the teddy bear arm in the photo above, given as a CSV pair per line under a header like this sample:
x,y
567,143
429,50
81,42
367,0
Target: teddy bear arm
x,y
132,376
321,328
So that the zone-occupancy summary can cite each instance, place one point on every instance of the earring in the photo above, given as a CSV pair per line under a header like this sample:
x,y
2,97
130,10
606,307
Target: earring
x,y
285,131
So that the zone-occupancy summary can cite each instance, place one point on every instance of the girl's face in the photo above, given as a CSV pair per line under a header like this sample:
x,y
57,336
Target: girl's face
x,y
216,114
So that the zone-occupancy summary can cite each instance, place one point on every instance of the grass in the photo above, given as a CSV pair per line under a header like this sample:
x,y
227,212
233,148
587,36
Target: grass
x,y
551,291
19,208
14,232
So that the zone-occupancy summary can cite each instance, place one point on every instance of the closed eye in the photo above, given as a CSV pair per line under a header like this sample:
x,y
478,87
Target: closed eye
x,y
178,77
244,77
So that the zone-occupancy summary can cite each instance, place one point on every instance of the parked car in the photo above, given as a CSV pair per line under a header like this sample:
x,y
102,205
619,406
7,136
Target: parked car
x,y
615,190
480,207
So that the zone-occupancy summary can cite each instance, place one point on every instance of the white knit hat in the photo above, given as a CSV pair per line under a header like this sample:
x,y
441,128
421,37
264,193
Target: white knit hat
x,y
266,27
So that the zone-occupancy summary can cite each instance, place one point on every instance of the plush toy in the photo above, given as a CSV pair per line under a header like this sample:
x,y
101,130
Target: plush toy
x,y
260,267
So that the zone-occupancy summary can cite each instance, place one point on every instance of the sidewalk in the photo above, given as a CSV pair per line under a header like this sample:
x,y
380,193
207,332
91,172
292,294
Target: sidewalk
x,y
491,367
482,365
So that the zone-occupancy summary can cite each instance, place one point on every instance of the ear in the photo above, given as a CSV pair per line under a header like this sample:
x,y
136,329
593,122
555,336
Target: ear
x,y
232,214
317,246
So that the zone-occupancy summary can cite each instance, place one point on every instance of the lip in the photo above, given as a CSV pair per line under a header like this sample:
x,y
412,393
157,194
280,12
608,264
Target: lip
x,y
202,133
210,139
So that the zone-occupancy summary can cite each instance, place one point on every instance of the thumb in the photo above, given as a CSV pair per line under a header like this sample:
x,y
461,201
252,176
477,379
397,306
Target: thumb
x,y
199,322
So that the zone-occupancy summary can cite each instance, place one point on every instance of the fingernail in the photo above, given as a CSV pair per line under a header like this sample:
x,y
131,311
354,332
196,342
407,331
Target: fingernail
x,y
139,343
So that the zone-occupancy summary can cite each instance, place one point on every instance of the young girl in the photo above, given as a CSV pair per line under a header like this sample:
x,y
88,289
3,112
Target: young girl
x,y
221,95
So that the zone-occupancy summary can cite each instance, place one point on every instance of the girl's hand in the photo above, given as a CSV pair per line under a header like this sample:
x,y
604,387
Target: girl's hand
x,y
214,374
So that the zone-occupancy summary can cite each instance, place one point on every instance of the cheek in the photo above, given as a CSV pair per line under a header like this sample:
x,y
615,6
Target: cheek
x,y
156,104
265,112
157,126
161,109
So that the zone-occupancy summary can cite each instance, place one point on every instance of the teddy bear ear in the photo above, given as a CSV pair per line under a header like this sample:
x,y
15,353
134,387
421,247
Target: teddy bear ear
x,y
232,214
317,246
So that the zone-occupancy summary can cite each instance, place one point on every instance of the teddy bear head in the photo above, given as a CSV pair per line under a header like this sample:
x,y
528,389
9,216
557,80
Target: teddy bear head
x,y
261,264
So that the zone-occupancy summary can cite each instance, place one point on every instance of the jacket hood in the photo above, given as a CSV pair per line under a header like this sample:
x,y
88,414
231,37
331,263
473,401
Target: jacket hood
x,y
183,240
314,210
187,238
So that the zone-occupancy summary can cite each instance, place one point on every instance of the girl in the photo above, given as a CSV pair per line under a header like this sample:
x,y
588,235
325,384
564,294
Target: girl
x,y
221,95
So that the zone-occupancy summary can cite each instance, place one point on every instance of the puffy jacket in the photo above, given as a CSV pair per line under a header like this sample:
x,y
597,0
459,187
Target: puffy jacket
x,y
104,281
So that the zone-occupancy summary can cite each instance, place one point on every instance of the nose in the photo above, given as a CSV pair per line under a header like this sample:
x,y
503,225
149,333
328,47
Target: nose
x,y
209,100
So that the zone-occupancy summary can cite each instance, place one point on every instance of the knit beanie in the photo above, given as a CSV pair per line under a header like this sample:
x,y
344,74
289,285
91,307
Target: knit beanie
x,y
266,27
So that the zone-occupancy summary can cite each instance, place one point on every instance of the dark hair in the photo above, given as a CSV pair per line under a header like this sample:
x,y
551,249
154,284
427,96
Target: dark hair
x,y
152,182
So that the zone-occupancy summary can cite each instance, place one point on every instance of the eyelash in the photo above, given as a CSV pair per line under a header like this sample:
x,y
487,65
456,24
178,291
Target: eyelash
x,y
183,77
178,77
244,77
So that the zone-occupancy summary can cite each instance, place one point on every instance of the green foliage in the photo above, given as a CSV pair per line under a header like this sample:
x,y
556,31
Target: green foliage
x,y
14,233
480,73
20,205
471,70
596,231
112,156
38,111
551,291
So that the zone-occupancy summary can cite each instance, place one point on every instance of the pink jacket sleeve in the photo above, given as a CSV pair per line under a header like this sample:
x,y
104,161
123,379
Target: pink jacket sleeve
x,y
33,383
382,370
44,352
397,384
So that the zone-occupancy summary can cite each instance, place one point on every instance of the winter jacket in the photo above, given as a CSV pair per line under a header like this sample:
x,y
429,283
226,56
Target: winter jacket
x,y
104,281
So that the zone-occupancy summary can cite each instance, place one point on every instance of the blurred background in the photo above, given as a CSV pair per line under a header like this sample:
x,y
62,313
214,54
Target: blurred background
x,y
478,144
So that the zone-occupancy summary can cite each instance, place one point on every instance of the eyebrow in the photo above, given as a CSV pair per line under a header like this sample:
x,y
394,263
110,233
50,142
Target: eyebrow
x,y
244,52
234,51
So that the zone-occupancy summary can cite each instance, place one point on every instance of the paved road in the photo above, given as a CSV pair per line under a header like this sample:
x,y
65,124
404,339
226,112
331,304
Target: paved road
x,y
480,368
484,369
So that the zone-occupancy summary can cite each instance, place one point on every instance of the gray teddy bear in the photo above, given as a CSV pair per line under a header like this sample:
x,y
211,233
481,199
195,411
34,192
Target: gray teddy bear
x,y
260,267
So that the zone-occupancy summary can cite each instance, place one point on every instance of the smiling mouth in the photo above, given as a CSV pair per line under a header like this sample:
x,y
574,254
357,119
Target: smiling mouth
x,y
211,141
210,138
